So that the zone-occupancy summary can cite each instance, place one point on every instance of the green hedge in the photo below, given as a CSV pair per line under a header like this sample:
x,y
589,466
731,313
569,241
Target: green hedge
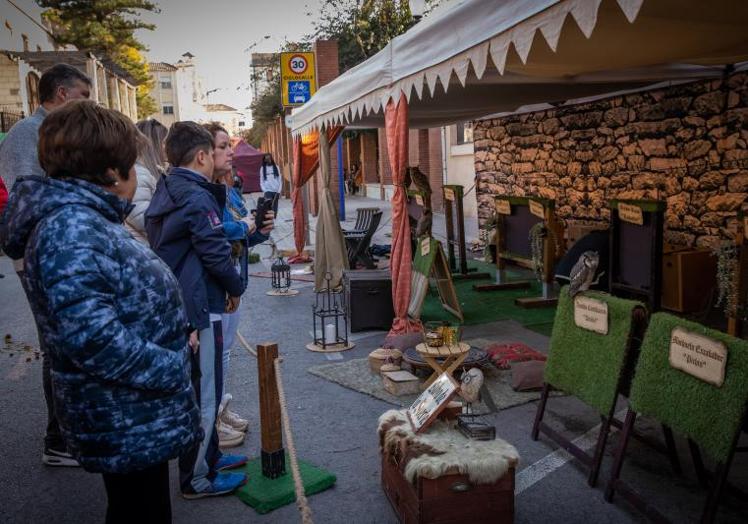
x,y
584,363
708,414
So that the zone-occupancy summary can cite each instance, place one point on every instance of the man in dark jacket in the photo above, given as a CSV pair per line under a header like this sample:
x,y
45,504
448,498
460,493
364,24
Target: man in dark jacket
x,y
184,228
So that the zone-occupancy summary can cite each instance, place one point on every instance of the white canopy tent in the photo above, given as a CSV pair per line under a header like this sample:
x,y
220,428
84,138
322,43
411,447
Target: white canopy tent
x,y
492,56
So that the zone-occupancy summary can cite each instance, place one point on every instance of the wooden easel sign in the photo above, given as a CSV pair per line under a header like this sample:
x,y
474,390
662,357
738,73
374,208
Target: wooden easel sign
x,y
697,355
591,314
431,402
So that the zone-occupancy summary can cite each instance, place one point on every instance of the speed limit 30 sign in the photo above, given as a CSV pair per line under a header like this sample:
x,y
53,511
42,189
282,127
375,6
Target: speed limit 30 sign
x,y
298,82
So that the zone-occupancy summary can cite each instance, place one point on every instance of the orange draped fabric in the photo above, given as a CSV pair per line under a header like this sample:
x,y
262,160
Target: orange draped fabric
x,y
305,163
396,129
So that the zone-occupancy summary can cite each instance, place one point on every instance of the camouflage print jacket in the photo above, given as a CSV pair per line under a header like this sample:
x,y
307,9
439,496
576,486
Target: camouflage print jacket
x,y
112,318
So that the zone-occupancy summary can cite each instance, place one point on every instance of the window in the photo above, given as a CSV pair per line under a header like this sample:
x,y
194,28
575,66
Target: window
x,y
242,123
32,89
168,110
166,84
464,133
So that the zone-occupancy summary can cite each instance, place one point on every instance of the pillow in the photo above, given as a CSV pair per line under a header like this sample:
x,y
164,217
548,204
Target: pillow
x,y
528,376
404,341
504,355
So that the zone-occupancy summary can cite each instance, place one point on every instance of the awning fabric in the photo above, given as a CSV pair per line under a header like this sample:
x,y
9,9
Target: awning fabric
x,y
477,57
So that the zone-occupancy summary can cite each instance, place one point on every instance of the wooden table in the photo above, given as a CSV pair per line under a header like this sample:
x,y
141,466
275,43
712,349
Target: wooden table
x,y
451,357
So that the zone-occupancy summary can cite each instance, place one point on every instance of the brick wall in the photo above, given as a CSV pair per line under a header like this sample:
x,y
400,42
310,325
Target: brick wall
x,y
10,86
327,69
685,145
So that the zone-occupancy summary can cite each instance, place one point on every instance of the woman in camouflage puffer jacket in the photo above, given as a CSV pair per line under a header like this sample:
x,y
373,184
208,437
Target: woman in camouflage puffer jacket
x,y
109,310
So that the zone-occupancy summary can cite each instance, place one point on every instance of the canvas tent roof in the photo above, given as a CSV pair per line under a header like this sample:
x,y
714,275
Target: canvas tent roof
x,y
492,56
247,161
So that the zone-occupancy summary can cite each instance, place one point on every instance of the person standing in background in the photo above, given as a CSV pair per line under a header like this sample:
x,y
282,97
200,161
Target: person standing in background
x,y
271,182
150,168
109,310
18,157
242,233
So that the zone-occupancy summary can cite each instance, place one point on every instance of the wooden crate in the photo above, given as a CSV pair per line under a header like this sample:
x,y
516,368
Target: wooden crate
x,y
688,278
450,499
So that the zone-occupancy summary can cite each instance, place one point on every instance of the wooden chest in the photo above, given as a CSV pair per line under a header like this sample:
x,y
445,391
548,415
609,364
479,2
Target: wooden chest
x,y
450,499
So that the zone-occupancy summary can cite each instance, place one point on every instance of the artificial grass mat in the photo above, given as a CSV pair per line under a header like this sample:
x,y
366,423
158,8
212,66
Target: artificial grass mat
x,y
481,307
584,363
710,415
265,495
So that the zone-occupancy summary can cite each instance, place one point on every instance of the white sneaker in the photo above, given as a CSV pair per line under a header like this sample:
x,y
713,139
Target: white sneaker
x,y
230,418
228,437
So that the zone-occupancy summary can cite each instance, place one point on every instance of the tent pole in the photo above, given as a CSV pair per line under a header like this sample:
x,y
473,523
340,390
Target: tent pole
x,y
341,178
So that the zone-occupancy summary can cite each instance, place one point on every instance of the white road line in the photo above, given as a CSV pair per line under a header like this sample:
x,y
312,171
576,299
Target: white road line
x,y
537,471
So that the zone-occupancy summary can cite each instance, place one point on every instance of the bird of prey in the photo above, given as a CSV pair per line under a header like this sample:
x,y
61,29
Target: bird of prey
x,y
470,385
582,275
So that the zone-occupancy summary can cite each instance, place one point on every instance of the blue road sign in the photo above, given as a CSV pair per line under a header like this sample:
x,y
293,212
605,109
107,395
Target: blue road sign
x,y
298,91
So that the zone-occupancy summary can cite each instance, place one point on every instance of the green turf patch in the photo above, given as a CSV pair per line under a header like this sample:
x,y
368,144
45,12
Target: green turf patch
x,y
710,415
584,363
481,307
265,494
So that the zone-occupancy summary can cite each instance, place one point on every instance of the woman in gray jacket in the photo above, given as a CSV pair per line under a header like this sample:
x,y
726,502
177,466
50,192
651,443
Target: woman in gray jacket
x,y
149,168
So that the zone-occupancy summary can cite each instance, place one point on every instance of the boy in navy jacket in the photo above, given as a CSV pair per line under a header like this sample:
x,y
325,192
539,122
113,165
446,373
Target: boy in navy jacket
x,y
184,228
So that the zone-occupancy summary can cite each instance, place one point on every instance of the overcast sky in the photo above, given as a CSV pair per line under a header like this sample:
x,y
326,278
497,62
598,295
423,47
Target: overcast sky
x,y
218,32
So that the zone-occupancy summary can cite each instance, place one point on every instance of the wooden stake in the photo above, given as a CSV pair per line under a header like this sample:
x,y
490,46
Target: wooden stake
x,y
271,438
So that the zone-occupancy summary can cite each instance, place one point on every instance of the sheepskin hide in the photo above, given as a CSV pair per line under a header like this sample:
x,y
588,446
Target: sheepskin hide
x,y
443,450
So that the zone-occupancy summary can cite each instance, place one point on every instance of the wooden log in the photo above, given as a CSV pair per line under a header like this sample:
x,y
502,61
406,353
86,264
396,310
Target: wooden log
x,y
271,434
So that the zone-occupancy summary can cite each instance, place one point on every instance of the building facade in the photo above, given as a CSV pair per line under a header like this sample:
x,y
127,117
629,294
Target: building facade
x,y
164,92
178,91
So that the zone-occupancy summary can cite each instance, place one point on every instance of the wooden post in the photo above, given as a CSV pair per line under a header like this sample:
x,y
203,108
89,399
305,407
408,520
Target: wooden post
x,y
271,441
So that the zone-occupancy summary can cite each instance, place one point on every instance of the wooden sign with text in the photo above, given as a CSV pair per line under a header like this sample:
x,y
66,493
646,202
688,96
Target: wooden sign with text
x,y
503,207
425,246
449,194
630,213
697,355
591,314
431,402
537,209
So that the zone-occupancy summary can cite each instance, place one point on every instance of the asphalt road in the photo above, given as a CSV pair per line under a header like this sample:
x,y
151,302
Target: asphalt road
x,y
333,427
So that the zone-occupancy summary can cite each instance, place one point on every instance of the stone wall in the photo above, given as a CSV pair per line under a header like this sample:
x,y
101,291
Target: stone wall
x,y
10,86
684,144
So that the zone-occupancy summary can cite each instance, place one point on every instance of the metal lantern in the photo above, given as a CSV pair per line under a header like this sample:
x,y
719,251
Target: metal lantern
x,y
281,275
329,317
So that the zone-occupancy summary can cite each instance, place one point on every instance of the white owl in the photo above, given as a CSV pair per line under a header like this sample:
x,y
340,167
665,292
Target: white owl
x,y
470,385
582,275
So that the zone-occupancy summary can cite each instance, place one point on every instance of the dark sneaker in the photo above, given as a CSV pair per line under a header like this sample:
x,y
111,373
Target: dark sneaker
x,y
230,462
58,457
223,484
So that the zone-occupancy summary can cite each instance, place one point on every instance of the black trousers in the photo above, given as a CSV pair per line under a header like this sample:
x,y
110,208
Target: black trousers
x,y
275,197
52,437
139,497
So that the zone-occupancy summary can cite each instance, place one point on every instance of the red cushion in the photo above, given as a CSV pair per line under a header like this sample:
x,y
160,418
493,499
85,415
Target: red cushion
x,y
503,355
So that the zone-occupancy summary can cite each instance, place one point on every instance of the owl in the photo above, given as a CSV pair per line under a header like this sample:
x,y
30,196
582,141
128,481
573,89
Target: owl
x,y
470,385
583,273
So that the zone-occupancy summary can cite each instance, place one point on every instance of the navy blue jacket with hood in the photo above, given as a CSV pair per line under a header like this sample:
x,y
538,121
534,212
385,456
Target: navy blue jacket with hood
x,y
185,229
112,319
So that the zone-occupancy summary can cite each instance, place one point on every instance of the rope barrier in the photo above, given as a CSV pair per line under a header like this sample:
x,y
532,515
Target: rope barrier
x,y
301,501
246,344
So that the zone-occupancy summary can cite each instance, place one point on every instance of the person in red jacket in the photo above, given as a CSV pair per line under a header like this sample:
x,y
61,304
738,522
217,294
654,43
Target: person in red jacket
x,y
3,196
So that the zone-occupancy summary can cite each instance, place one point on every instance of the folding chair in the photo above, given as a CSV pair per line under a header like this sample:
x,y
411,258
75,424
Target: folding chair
x,y
710,415
363,220
358,244
590,366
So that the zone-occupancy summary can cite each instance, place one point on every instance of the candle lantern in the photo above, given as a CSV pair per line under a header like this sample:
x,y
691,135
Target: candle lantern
x,y
329,316
281,275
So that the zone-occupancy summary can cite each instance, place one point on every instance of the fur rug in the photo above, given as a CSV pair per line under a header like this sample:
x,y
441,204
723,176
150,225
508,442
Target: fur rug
x,y
443,450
